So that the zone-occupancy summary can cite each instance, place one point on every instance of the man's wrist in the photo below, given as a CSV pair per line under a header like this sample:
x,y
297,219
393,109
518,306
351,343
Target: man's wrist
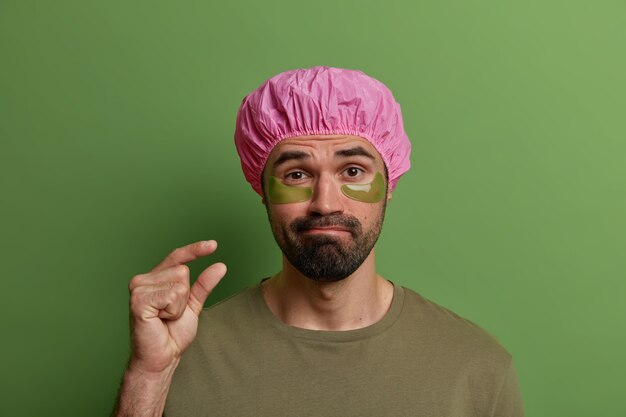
x,y
143,393
137,370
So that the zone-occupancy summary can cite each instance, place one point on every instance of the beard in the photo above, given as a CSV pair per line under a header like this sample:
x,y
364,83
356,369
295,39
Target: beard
x,y
323,257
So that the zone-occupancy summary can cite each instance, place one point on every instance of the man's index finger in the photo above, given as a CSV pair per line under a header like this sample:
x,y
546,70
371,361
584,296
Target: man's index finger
x,y
187,253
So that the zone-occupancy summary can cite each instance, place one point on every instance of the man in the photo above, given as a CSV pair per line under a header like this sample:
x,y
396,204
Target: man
x,y
326,336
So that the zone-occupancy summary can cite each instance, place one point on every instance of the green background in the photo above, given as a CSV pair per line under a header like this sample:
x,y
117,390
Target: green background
x,y
116,127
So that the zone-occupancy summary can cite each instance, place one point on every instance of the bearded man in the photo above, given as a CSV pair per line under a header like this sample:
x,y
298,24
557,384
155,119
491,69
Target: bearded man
x,y
327,335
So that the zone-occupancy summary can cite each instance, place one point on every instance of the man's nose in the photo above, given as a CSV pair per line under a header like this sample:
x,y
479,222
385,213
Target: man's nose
x,y
327,197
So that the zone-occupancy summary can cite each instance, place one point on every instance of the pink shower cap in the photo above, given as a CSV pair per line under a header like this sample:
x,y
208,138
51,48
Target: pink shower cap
x,y
320,101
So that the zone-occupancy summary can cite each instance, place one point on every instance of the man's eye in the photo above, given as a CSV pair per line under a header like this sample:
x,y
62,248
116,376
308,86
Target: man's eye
x,y
354,171
296,175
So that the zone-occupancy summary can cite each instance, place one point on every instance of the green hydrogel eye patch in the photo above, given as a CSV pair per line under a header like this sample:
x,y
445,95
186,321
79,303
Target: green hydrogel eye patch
x,y
280,193
367,193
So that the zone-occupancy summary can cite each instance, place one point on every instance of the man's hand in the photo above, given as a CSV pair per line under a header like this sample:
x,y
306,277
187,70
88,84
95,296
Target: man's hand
x,y
164,320
164,309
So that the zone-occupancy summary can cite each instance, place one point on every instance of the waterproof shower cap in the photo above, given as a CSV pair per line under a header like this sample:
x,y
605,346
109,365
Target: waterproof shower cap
x,y
320,101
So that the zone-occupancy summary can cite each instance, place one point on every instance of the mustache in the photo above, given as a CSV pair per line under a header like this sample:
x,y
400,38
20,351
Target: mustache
x,y
347,222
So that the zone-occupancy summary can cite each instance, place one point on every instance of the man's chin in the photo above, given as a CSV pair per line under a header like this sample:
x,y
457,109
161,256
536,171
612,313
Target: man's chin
x,y
307,239
324,249
324,268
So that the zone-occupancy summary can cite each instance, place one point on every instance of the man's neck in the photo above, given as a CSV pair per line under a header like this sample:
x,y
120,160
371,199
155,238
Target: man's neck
x,y
357,301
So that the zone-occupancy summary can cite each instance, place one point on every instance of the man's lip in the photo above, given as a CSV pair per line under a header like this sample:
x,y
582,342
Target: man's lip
x,y
327,229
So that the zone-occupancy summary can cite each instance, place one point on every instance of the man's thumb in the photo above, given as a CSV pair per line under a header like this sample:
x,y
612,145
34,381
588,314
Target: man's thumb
x,y
203,286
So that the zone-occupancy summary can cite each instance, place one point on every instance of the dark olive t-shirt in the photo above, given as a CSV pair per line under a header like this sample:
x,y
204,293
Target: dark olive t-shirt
x,y
420,359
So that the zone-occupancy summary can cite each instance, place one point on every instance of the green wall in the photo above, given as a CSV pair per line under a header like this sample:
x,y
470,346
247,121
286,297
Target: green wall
x,y
116,127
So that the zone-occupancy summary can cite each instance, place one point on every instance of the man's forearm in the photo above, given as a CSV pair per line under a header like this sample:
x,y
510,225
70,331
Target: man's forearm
x,y
143,394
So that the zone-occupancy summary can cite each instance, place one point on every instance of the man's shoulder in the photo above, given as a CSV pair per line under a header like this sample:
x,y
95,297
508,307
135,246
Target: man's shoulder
x,y
229,318
450,330
239,302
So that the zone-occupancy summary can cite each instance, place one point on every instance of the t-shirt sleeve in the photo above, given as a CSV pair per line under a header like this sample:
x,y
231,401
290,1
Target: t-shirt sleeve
x,y
509,399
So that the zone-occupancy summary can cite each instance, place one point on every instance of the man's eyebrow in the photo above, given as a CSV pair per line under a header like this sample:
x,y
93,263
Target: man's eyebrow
x,y
356,151
290,155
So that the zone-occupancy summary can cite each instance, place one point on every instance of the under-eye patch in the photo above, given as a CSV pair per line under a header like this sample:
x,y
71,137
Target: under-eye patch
x,y
367,193
280,193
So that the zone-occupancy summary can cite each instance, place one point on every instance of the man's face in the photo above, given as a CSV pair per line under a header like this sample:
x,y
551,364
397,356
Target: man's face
x,y
328,236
